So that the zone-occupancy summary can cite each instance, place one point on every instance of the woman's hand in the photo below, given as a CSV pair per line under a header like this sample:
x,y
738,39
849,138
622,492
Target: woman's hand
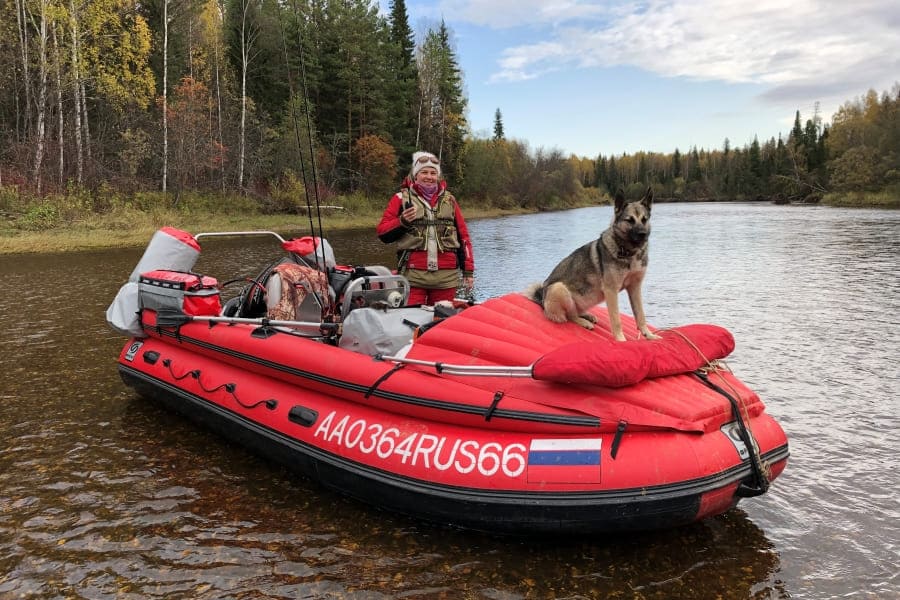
x,y
408,215
469,283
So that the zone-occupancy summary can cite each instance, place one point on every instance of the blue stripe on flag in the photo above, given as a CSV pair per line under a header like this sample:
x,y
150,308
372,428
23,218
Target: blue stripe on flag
x,y
564,457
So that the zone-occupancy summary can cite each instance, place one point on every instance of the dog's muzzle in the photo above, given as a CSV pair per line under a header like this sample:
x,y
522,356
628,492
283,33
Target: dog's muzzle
x,y
638,236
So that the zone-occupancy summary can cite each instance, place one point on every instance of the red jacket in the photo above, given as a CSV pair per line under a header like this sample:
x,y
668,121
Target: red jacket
x,y
390,229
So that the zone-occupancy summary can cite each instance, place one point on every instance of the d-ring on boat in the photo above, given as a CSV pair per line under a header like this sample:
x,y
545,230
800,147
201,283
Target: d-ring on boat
x,y
484,416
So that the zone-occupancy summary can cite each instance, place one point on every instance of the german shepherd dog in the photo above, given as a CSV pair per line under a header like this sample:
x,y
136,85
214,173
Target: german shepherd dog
x,y
600,269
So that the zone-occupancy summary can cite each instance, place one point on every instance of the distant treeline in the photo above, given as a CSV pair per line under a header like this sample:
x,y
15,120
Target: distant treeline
x,y
255,97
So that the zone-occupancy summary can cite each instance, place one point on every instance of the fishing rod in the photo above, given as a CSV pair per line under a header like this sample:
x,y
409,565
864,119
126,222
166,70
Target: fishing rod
x,y
319,255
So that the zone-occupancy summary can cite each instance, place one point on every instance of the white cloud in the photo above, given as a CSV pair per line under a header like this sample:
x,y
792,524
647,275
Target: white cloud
x,y
502,14
795,49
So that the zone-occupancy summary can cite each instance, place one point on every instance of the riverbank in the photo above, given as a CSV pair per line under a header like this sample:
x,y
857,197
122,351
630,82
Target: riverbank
x,y
889,198
76,223
126,229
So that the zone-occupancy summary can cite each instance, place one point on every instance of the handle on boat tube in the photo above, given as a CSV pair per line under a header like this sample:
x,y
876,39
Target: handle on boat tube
x,y
174,318
472,370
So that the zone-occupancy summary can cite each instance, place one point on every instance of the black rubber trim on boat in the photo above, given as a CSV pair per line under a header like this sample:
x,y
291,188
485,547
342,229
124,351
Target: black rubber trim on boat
x,y
516,415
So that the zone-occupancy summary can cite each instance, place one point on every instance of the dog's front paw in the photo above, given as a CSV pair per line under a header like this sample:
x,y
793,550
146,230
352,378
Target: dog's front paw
x,y
650,335
589,317
584,322
556,318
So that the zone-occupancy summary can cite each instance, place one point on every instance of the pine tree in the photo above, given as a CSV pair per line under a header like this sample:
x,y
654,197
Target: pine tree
x,y
613,178
351,85
498,126
755,158
811,142
404,88
600,172
797,131
694,173
676,164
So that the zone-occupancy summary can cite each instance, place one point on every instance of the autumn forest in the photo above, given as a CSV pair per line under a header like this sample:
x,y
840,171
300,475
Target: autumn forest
x,y
117,102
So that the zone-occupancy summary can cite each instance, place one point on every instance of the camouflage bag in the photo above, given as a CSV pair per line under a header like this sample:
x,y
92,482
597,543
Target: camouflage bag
x,y
298,293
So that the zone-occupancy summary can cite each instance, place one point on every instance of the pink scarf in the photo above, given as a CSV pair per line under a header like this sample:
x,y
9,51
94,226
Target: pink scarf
x,y
427,192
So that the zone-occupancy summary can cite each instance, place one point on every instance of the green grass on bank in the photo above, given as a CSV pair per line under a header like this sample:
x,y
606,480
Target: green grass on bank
x,y
71,222
82,220
889,198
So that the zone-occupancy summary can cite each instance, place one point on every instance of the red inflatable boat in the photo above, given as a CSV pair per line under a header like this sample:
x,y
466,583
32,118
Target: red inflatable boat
x,y
486,416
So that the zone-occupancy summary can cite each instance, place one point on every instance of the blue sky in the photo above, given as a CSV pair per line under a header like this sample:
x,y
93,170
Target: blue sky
x,y
589,77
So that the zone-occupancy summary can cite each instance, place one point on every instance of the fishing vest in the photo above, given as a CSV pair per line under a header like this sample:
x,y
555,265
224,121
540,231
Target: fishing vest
x,y
442,225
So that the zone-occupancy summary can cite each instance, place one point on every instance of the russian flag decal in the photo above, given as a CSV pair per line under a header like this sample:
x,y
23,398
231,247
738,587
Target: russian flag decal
x,y
564,461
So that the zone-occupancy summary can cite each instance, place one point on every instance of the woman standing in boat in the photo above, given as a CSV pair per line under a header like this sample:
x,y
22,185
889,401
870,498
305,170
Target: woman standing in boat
x,y
432,238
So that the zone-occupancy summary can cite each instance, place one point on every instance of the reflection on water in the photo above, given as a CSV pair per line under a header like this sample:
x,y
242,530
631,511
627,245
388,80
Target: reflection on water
x,y
105,495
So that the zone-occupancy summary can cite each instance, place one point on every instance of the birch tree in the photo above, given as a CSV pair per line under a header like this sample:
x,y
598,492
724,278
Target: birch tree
x,y
212,23
60,136
165,107
76,90
244,30
42,26
24,43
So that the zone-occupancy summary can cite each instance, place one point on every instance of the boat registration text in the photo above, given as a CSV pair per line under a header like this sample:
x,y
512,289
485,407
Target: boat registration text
x,y
423,449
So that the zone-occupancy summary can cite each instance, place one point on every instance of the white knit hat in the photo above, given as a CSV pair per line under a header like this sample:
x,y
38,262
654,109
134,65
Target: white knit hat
x,y
424,159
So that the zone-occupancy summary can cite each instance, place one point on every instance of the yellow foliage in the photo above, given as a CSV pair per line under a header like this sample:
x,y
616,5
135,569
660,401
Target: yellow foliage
x,y
116,51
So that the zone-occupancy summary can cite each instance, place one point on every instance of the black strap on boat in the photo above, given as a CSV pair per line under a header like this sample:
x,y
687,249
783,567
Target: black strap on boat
x,y
382,379
493,406
761,484
620,429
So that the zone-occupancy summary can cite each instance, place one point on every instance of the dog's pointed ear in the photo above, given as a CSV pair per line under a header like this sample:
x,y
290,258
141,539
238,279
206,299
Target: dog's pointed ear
x,y
647,200
620,200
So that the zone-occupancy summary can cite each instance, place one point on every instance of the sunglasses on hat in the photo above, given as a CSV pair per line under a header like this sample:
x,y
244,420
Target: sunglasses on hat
x,y
427,159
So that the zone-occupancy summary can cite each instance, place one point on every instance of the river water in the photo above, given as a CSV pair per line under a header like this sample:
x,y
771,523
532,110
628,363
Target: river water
x,y
107,495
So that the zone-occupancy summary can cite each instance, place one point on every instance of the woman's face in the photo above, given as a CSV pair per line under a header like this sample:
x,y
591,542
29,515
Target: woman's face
x,y
427,176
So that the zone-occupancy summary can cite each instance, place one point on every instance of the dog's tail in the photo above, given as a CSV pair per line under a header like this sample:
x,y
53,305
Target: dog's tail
x,y
535,292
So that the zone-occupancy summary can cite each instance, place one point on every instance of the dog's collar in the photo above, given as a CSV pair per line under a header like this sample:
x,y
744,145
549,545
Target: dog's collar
x,y
625,253
620,248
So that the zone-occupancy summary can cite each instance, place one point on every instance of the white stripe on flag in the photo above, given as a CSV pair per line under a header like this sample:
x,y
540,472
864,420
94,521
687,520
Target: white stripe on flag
x,y
566,444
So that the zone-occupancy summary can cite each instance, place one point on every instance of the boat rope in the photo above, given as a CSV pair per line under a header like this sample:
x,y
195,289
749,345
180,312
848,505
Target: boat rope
x,y
761,470
270,403
382,379
714,366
